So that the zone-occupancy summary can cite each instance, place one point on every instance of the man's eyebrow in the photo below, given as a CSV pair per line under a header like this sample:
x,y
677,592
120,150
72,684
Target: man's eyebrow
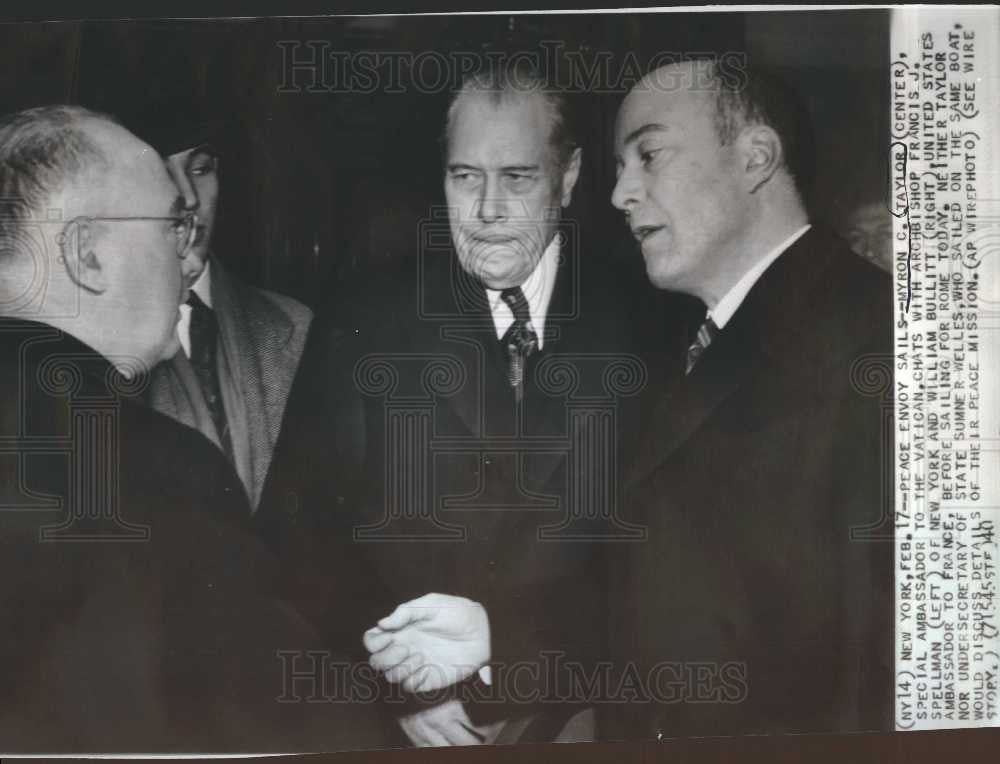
x,y
203,149
504,168
651,127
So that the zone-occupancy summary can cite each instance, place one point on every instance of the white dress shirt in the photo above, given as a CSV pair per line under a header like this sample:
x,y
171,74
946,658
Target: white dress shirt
x,y
537,290
731,301
203,288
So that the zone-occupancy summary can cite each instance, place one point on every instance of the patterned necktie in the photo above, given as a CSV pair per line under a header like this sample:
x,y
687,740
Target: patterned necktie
x,y
203,332
706,333
520,339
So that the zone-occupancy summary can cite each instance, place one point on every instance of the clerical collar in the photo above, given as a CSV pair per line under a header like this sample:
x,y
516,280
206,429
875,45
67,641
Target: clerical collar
x,y
537,290
731,301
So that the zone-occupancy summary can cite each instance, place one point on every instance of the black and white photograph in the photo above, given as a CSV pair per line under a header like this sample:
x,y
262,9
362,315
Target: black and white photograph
x,y
387,381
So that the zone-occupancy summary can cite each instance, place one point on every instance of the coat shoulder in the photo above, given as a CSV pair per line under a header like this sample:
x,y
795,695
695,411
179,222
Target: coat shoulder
x,y
840,304
297,313
267,319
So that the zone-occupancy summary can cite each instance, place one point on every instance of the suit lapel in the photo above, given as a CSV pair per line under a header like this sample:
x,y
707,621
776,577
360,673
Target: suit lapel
x,y
495,363
766,328
469,333
689,401
174,390
254,336
543,413
548,412
458,321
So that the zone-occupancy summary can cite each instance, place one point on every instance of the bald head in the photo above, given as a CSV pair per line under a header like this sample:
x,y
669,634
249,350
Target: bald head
x,y
42,150
91,237
695,76
738,98
115,185
706,177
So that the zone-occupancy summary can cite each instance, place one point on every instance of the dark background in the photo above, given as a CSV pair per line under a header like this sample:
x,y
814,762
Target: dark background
x,y
318,187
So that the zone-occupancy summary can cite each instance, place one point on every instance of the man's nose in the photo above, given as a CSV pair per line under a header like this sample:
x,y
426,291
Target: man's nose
x,y
627,190
492,206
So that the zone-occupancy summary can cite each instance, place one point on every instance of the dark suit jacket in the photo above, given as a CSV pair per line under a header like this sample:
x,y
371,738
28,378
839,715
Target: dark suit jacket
x,y
410,383
261,337
753,472
141,613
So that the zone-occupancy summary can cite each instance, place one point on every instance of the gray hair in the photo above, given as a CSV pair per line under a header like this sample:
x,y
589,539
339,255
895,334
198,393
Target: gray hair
x,y
41,149
515,78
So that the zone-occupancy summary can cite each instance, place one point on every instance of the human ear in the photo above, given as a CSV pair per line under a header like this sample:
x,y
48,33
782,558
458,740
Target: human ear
x,y
78,254
761,148
570,175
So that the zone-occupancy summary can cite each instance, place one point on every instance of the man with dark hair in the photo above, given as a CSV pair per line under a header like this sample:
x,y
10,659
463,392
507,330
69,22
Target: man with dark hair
x,y
140,611
868,231
757,96
240,345
761,601
502,324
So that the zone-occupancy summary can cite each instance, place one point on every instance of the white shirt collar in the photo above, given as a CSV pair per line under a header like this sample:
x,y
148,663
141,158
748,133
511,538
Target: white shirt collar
x,y
203,288
537,290
731,301
203,284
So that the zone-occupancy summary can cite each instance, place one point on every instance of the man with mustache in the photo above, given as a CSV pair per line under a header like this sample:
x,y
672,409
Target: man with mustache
x,y
240,345
761,467
470,567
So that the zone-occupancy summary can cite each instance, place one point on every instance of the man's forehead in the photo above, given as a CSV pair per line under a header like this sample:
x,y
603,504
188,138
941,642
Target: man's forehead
x,y
658,107
514,124
184,154
141,185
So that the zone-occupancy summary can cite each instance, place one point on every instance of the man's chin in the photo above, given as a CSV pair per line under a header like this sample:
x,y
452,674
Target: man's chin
x,y
498,284
659,277
170,348
201,257
498,272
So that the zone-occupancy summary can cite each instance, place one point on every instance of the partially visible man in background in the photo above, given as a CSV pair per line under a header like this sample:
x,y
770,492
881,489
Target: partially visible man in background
x,y
868,231
240,345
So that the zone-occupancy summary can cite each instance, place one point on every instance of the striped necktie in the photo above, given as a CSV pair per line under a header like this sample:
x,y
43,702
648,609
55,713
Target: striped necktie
x,y
706,333
520,339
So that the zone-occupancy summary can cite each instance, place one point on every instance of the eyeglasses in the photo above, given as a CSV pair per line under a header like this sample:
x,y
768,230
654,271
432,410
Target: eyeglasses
x,y
185,228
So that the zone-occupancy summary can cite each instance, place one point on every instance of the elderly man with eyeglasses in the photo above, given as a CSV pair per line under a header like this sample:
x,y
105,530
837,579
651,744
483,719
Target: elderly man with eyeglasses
x,y
139,608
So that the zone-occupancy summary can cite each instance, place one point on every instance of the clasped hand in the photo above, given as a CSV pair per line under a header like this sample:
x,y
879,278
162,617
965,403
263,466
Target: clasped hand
x,y
431,642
